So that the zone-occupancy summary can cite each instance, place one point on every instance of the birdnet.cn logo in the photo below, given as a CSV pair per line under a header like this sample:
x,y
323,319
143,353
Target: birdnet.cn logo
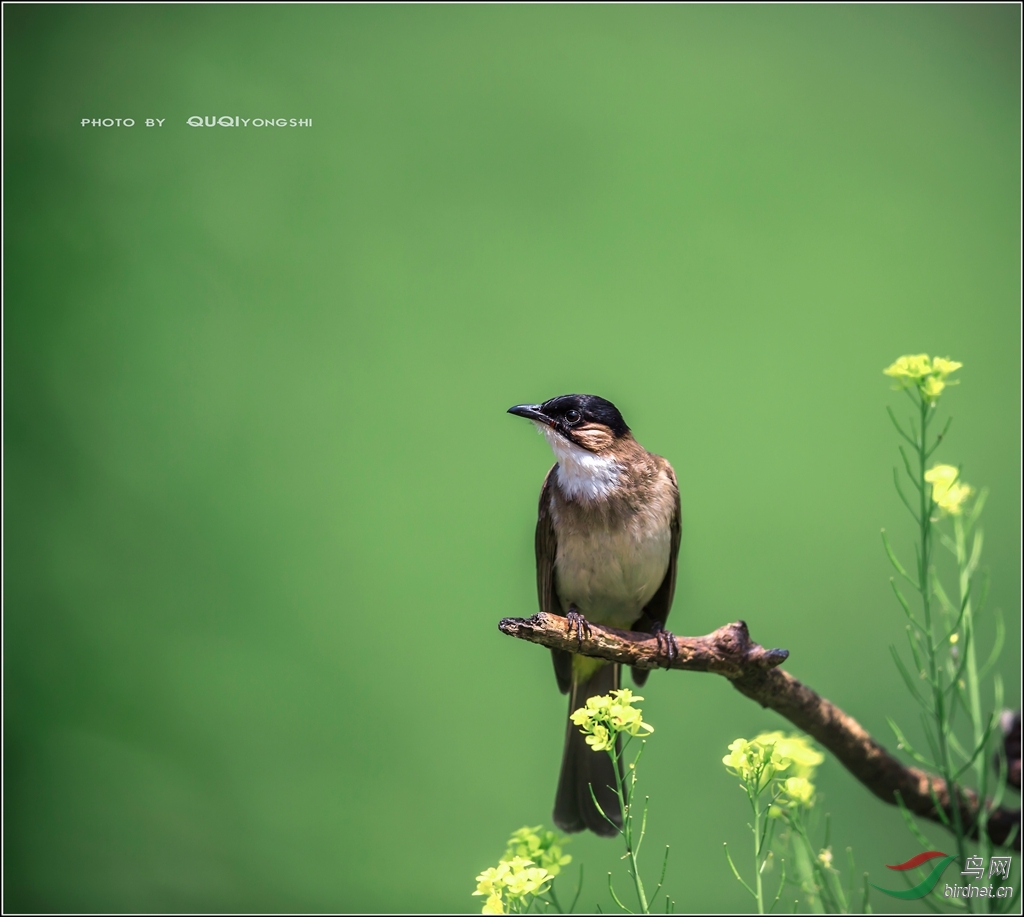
x,y
997,885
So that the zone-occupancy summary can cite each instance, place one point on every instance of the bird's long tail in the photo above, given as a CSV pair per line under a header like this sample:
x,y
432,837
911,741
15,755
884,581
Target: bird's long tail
x,y
583,768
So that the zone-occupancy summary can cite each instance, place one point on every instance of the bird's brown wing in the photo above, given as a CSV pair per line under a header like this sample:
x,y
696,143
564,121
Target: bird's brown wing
x,y
546,544
656,610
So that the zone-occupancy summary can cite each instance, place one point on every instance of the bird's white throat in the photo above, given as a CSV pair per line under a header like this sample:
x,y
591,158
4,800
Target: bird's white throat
x,y
581,474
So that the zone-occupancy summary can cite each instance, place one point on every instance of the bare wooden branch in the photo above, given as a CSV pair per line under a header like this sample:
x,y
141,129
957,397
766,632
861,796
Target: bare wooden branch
x,y
753,671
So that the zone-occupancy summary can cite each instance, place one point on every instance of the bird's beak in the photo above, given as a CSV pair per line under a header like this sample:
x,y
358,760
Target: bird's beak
x,y
531,412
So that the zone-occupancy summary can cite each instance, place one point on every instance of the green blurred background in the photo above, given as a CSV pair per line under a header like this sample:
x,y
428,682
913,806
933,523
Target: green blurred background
x,y
264,507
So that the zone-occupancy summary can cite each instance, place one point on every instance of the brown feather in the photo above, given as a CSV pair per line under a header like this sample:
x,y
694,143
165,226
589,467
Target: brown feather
x,y
546,546
657,609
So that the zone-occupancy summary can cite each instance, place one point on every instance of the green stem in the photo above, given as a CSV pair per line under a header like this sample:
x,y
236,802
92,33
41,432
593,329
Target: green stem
x,y
627,828
981,762
803,855
934,674
973,687
757,858
803,851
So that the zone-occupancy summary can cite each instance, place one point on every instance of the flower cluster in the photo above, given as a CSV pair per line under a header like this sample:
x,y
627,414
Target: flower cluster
x,y
508,883
798,791
753,763
531,861
927,375
542,847
606,716
800,757
758,761
948,492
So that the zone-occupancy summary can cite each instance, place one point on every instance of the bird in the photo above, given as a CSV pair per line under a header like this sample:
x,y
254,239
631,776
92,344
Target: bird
x,y
607,543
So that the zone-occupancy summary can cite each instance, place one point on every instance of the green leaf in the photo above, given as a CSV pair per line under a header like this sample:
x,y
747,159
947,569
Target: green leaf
x,y
916,650
907,678
940,811
615,897
899,490
899,429
910,474
939,438
940,593
981,746
911,824
766,838
852,867
979,505
986,582
782,882
933,745
959,671
579,888
958,693
954,743
593,796
735,872
664,869
902,739
997,648
903,603
948,543
898,565
976,546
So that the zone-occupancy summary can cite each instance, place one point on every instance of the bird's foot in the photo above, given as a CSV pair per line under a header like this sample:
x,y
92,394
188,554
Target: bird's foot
x,y
576,623
668,649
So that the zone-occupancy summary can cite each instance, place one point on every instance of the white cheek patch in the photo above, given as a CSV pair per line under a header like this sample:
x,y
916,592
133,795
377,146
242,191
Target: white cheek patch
x,y
581,474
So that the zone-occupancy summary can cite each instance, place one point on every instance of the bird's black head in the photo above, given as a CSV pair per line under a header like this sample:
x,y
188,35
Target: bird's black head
x,y
585,420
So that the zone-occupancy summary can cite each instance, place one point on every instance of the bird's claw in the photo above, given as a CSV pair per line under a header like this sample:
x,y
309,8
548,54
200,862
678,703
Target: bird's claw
x,y
668,649
576,623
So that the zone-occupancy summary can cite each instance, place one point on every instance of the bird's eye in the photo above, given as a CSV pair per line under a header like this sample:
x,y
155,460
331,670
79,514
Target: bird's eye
x,y
573,417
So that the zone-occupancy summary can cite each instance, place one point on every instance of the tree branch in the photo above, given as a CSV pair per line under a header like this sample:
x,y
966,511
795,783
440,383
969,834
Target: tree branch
x,y
753,671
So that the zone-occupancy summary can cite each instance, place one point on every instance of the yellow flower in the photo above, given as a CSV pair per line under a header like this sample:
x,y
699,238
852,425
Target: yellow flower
x,y
927,375
910,367
955,498
931,387
541,847
738,757
948,492
773,754
606,716
795,753
940,477
753,762
944,366
493,905
492,880
747,755
799,790
600,739
525,878
515,878
825,857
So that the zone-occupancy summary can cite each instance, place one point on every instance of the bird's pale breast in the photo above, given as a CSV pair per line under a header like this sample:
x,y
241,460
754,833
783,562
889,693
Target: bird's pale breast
x,y
610,572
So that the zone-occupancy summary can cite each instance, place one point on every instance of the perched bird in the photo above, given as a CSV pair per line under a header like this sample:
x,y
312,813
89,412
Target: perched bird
x,y
607,541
